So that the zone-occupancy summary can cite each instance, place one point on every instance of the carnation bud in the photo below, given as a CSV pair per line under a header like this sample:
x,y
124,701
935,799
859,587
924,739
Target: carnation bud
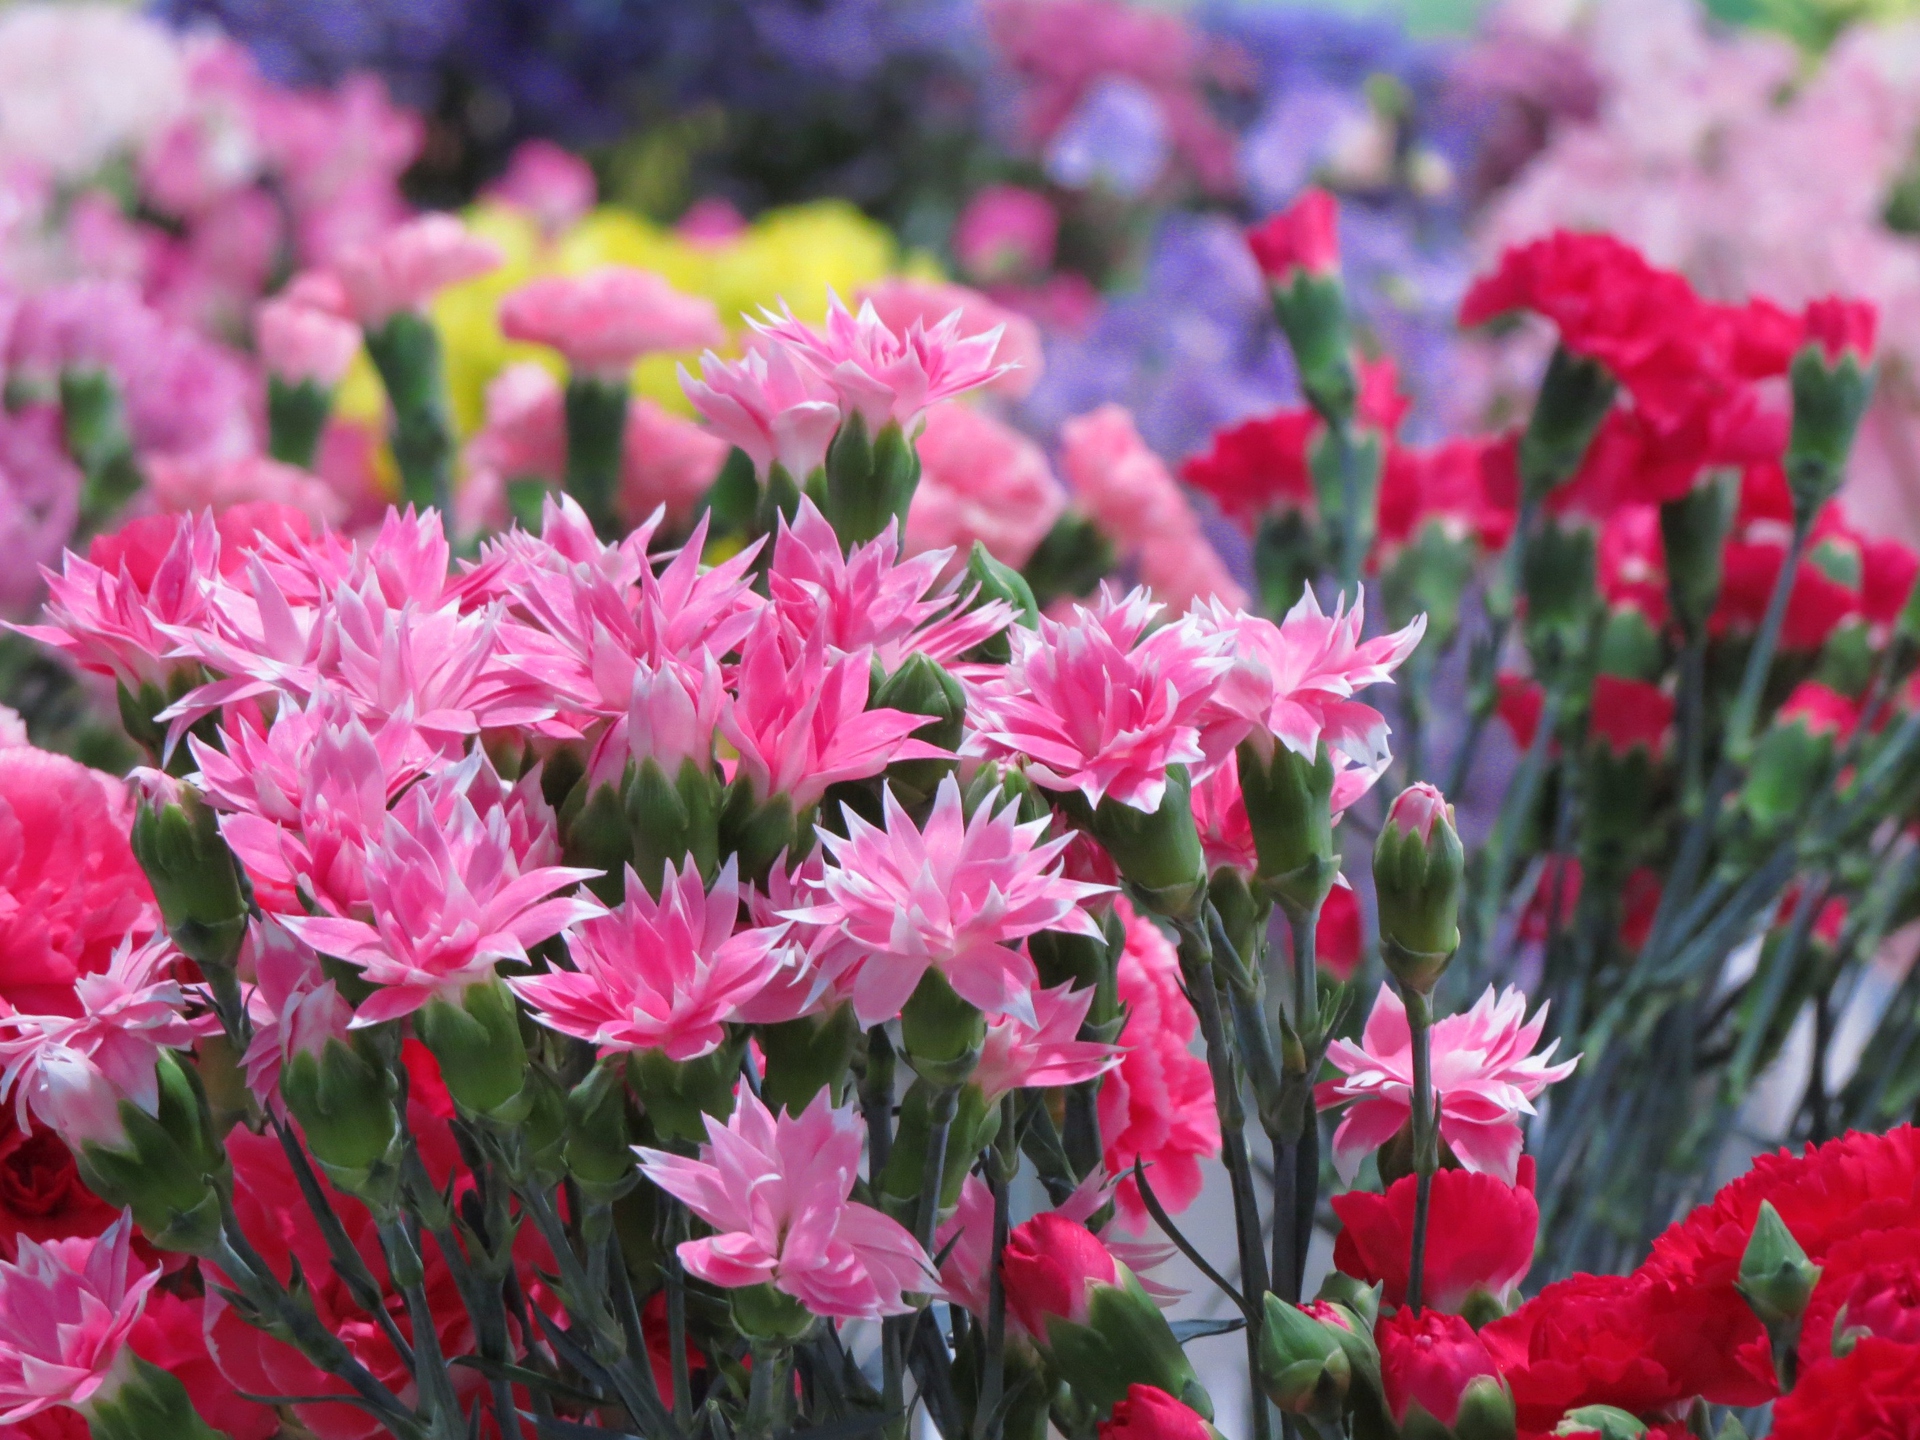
x,y
1289,801
1439,1380
869,480
673,819
140,1401
1303,1367
1158,854
164,1165
203,899
1575,395
1776,1277
1149,1413
1832,379
1298,252
1088,1312
344,1103
1693,530
1561,596
1358,1298
482,1058
1417,867
921,687
1600,1422
986,581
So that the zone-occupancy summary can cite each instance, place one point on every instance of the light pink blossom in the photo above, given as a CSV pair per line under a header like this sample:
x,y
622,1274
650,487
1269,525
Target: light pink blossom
x,y
1098,705
980,480
409,265
450,901
900,301
1294,682
294,1007
1220,815
73,1072
604,320
775,1191
665,462
1017,1055
817,964
40,489
183,485
657,974
300,341
769,404
870,597
882,375
1485,1075
66,1310
1006,233
670,720
953,895
800,722
548,182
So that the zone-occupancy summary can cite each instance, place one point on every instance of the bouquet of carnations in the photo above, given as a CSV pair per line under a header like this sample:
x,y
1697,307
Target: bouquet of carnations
x,y
615,981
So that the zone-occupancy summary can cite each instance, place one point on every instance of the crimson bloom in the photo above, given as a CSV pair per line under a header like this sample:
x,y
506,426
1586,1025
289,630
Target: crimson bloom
x,y
1427,1360
1629,714
1838,325
1480,1236
775,1191
1869,1285
1305,236
1485,1076
1871,1393
1258,466
1049,1268
1150,1413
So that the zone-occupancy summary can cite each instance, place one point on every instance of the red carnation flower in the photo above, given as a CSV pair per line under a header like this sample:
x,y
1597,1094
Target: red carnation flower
x,y
1428,1359
1869,1285
1640,1342
1337,940
1305,236
1627,713
1838,325
1257,466
1480,1236
1821,709
1456,483
1888,569
1871,1393
1149,1413
1519,702
41,1194
1816,604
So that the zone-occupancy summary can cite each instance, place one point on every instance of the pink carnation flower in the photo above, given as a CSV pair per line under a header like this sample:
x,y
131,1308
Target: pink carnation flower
x,y
66,1309
666,462
450,901
294,1007
882,375
1294,682
870,598
900,302
604,320
670,720
409,265
1157,1105
769,404
817,964
1138,505
548,182
1006,233
980,480
218,484
1484,1072
775,1191
75,1071
1017,1055
1100,706
300,341
800,723
657,974
951,896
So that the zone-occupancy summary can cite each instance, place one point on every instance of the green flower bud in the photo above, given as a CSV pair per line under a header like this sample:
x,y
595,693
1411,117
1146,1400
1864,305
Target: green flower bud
x,y
167,1164
1417,867
1776,1277
678,1095
343,1100
1159,854
1693,530
1486,1410
921,687
477,1042
1558,580
140,1401
988,580
806,1056
971,1130
1600,1422
869,483
202,896
1832,385
1312,311
1123,1340
1575,395
757,830
1304,1368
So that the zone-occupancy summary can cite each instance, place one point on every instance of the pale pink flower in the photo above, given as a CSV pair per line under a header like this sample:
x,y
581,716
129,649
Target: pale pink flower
x,y
113,622
775,1191
980,480
954,896
870,598
1099,706
294,1007
882,375
900,301
1485,1076
657,974
66,1310
300,341
800,722
450,902
604,320
1157,1105
522,436
1294,682
409,265
1017,1055
73,1072
665,462
200,483
1137,504
548,182
40,489
770,405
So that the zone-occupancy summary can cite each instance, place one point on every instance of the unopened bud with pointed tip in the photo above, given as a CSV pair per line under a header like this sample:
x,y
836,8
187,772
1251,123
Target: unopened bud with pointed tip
x,y
1776,1277
1418,864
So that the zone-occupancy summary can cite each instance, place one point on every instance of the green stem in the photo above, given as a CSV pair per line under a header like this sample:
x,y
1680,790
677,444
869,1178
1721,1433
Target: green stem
x,y
1426,1137
764,1391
